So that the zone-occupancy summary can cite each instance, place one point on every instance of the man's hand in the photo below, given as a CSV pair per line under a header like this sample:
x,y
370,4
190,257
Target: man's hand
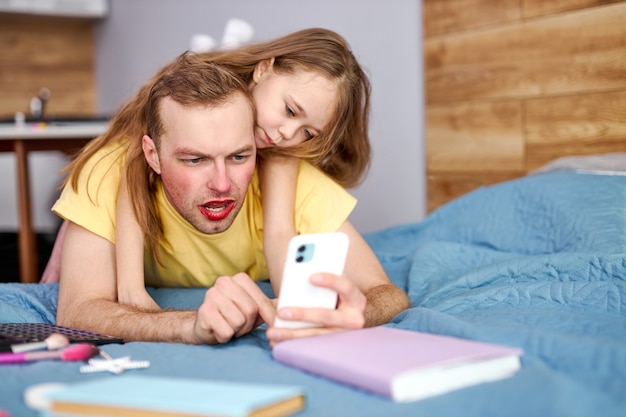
x,y
234,306
349,314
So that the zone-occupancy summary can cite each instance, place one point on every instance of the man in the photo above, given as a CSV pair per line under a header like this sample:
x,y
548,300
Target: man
x,y
194,171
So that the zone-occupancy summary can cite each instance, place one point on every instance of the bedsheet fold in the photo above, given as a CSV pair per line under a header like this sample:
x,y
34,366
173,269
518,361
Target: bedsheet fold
x,y
538,263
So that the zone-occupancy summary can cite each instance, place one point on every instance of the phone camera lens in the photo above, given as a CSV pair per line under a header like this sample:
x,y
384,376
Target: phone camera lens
x,y
302,248
300,259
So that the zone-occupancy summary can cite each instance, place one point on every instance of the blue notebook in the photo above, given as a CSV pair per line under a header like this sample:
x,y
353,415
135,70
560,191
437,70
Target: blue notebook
x,y
133,395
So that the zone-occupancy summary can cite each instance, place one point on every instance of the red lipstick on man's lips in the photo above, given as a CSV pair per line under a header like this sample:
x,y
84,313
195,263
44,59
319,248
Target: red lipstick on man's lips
x,y
217,210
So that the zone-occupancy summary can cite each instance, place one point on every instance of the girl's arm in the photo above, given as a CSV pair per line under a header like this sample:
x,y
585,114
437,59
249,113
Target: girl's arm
x,y
278,193
52,272
128,256
129,248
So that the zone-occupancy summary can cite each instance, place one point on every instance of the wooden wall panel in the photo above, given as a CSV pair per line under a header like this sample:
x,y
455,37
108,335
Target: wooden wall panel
x,y
444,187
475,137
57,53
561,54
505,95
575,125
450,16
444,16
533,8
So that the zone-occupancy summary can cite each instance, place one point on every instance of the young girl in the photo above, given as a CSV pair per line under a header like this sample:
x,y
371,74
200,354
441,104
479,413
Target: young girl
x,y
312,100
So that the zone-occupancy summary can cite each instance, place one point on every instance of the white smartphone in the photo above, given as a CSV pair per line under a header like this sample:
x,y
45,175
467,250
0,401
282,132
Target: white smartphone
x,y
306,255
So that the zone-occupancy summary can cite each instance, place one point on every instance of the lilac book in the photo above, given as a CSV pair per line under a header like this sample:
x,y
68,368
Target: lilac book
x,y
400,364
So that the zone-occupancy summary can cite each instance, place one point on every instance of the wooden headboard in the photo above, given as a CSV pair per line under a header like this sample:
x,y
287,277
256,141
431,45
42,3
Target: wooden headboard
x,y
513,84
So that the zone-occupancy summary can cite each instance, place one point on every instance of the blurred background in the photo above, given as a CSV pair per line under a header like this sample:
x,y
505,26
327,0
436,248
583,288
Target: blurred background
x,y
92,54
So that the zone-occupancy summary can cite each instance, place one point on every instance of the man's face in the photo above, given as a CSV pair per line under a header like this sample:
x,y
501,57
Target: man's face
x,y
206,160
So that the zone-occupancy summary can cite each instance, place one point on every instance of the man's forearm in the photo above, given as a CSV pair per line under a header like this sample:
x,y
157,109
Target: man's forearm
x,y
384,302
129,323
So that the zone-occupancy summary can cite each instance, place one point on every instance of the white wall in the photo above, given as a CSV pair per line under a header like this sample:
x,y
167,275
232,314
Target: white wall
x,y
141,35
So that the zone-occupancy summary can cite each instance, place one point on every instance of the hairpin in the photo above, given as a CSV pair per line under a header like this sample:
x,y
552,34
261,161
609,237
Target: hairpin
x,y
115,366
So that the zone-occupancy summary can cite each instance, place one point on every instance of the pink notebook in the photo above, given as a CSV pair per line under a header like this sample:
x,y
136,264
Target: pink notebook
x,y
400,364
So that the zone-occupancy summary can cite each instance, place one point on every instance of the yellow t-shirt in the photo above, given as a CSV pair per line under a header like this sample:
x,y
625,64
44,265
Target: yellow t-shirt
x,y
191,258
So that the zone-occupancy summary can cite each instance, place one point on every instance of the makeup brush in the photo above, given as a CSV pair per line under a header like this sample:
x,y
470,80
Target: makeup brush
x,y
53,342
76,352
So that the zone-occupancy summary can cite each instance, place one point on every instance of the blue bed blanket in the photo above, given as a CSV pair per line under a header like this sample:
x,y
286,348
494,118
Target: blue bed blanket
x,y
538,263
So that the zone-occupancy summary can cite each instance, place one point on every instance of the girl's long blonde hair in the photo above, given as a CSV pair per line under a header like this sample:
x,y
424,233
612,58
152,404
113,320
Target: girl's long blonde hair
x,y
342,151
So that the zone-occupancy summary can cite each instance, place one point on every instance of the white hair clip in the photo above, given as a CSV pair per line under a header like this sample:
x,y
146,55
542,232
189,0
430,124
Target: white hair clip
x,y
116,366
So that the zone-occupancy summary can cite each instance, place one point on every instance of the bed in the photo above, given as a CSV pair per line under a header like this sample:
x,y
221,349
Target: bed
x,y
537,262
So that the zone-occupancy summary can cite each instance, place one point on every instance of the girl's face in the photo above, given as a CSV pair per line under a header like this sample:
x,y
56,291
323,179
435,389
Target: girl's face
x,y
291,108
